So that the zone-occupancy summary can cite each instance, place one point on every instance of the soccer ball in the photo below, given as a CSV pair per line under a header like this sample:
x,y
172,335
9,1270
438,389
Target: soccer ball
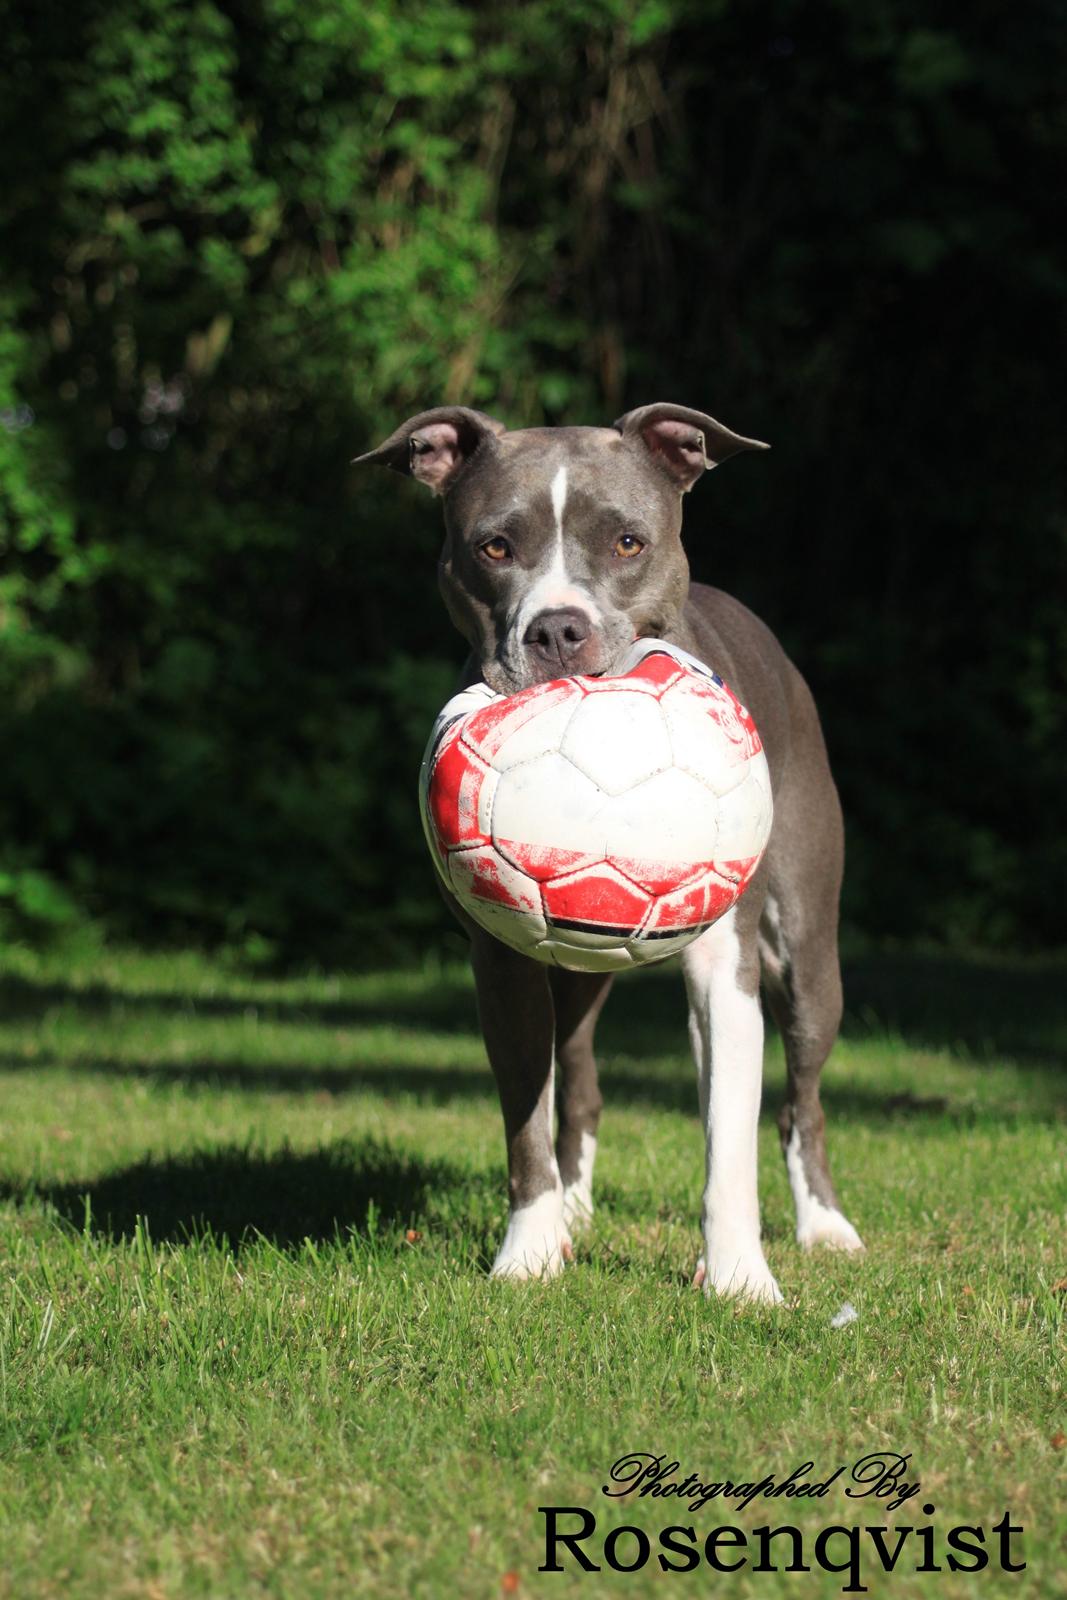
x,y
598,823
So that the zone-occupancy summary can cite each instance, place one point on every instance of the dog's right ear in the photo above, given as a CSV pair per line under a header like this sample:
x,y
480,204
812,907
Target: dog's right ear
x,y
436,445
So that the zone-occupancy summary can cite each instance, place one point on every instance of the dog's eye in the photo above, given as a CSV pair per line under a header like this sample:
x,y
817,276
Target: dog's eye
x,y
496,549
628,544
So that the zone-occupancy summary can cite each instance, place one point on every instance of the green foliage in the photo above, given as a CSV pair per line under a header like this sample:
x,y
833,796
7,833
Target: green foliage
x,y
30,901
243,242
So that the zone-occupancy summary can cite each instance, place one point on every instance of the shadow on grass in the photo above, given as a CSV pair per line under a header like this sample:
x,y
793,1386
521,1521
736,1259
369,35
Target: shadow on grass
x,y
977,1008
669,1088
442,1005
981,1009
234,1195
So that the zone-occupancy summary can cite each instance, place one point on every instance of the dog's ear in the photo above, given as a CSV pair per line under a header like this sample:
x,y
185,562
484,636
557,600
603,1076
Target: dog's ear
x,y
684,443
436,445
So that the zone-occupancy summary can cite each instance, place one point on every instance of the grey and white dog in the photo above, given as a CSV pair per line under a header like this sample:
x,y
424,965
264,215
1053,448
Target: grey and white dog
x,y
563,545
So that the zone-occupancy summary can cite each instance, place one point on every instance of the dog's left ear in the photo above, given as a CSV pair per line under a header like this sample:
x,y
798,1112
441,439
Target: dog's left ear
x,y
436,445
684,443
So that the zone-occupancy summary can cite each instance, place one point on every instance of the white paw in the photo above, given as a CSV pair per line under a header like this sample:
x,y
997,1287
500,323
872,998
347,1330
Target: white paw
x,y
578,1196
822,1225
816,1223
577,1206
537,1242
745,1279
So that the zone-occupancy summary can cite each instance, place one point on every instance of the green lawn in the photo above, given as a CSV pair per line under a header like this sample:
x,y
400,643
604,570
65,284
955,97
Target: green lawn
x,y
247,1346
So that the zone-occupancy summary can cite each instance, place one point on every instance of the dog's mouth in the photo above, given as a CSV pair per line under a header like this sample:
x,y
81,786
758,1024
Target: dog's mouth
x,y
513,666
498,677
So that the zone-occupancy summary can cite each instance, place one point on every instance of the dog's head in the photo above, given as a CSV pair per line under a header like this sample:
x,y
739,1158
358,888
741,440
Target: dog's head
x,y
562,545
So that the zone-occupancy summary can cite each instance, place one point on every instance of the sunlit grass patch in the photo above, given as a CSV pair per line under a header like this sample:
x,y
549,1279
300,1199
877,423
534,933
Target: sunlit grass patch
x,y
247,1345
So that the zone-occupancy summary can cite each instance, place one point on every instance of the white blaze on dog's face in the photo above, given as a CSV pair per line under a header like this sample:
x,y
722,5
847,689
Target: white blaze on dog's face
x,y
551,586
536,625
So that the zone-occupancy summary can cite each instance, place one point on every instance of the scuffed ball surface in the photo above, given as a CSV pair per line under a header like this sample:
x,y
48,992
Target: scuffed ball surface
x,y
600,823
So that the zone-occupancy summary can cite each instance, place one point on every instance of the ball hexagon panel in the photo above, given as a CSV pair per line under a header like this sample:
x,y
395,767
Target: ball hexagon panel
x,y
696,905
745,814
697,744
733,719
501,899
461,796
675,813
607,956
654,875
535,735
547,817
681,909
487,731
595,901
618,740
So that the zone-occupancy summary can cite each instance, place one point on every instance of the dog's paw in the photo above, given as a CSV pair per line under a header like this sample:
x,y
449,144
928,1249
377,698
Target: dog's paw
x,y
817,1222
827,1227
750,1280
537,1241
577,1207
539,1261
578,1194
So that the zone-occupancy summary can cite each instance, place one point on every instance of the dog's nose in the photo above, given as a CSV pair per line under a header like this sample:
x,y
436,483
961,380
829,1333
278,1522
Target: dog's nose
x,y
556,637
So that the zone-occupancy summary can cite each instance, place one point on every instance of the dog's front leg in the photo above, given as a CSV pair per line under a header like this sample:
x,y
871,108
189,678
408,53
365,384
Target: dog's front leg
x,y
726,1030
515,1006
577,999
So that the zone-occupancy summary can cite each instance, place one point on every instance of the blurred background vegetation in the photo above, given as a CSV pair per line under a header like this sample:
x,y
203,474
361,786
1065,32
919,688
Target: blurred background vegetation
x,y
240,240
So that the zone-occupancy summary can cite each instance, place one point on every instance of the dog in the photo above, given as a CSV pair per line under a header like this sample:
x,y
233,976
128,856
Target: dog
x,y
563,546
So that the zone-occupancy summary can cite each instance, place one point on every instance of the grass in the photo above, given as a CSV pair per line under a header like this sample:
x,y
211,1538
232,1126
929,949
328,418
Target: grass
x,y
247,1346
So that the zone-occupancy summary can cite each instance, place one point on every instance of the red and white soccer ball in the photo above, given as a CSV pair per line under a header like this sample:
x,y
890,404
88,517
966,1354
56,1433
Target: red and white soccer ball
x,y
599,823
